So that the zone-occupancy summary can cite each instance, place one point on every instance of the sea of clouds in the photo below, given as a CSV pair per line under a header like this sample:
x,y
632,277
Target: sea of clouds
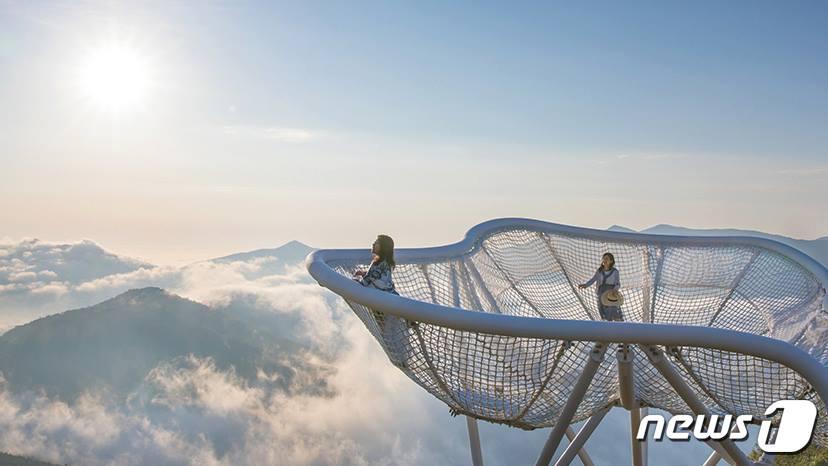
x,y
188,412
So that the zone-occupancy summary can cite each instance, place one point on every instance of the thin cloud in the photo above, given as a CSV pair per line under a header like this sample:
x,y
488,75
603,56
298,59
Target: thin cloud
x,y
73,262
627,158
276,133
39,279
807,171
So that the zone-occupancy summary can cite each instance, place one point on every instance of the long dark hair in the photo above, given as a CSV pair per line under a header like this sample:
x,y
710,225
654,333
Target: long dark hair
x,y
386,250
611,258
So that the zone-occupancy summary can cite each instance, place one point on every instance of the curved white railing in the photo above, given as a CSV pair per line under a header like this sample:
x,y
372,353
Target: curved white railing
x,y
576,330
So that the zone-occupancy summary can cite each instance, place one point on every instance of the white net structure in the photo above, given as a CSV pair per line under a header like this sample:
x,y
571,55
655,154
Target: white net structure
x,y
497,328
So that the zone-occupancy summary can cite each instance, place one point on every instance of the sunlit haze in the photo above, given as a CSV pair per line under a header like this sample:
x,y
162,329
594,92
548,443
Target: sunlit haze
x,y
172,133
114,77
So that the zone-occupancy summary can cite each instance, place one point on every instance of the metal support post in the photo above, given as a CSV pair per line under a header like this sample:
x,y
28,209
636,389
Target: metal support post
x,y
474,441
576,444
626,377
713,459
596,356
660,362
582,453
639,447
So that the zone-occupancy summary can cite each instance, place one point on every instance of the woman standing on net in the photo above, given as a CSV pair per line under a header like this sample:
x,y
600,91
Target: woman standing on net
x,y
608,281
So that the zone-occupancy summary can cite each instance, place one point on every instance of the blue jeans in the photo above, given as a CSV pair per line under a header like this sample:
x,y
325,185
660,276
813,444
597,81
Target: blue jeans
x,y
608,312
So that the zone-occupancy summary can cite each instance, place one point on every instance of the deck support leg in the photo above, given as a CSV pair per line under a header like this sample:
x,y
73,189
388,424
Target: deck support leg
x,y
568,411
576,444
724,447
474,441
626,377
626,385
582,453
713,459
639,447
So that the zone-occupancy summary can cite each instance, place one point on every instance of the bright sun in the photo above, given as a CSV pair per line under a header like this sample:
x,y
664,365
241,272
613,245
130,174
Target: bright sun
x,y
115,78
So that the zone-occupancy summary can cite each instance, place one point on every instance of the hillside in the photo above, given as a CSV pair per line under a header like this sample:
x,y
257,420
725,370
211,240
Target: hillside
x,y
111,346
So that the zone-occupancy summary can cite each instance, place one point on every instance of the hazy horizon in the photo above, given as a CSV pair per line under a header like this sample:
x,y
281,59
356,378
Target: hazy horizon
x,y
220,251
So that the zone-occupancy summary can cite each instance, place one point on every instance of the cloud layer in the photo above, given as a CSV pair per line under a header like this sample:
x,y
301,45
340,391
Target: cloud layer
x,y
189,411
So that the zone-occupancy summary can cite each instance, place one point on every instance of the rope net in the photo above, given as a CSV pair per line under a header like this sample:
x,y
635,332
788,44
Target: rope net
x,y
525,382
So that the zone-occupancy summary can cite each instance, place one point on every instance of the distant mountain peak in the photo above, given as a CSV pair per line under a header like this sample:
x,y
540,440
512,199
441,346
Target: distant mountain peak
x,y
290,252
146,290
145,296
621,228
143,293
667,229
294,244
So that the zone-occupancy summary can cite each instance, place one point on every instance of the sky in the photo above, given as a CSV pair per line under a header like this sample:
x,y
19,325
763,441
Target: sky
x,y
178,131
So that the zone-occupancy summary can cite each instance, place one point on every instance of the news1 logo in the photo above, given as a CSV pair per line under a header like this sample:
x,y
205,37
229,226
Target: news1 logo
x,y
793,434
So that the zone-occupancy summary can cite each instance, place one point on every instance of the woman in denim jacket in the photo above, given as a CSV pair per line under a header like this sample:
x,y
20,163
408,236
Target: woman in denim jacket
x,y
606,278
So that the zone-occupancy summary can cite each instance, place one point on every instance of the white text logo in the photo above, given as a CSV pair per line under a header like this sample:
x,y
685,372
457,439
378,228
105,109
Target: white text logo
x,y
794,432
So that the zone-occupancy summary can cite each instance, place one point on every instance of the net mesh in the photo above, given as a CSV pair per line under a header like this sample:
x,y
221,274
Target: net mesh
x,y
525,382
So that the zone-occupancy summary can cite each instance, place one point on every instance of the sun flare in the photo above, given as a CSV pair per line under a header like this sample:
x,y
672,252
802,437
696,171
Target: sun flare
x,y
115,77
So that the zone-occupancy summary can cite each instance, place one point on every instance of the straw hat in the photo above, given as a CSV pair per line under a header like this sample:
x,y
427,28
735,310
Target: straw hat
x,y
612,298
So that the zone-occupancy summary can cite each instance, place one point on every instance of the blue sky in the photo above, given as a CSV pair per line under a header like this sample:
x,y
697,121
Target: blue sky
x,y
328,122
735,78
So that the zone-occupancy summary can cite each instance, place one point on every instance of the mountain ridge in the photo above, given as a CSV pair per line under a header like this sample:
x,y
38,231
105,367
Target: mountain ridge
x,y
291,251
142,328
816,248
